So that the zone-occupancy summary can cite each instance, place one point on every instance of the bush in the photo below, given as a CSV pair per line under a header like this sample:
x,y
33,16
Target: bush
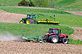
x,y
23,3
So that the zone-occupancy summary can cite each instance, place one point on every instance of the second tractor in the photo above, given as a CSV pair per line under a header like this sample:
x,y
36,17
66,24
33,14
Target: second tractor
x,y
31,19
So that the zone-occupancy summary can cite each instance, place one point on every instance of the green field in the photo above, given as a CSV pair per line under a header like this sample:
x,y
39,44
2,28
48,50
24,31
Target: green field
x,y
67,20
61,16
59,4
31,30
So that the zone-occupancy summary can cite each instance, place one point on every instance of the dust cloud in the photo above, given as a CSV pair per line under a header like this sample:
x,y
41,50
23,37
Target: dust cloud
x,y
10,37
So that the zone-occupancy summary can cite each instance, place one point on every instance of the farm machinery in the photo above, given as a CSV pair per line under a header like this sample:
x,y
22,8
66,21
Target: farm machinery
x,y
31,19
54,35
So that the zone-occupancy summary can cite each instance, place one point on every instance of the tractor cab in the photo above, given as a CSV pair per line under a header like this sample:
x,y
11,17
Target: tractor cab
x,y
54,30
29,16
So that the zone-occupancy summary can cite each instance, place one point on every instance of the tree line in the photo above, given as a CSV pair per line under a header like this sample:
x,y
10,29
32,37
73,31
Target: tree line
x,y
42,3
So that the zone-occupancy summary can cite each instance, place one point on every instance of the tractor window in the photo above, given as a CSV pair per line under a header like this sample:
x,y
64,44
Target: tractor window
x,y
50,31
54,31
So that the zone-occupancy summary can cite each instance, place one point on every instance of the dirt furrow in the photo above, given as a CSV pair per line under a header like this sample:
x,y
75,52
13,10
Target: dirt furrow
x,y
75,12
77,35
38,48
10,17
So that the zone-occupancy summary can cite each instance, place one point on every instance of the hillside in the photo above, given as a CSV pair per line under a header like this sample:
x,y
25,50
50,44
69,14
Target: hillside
x,y
70,4
13,34
48,3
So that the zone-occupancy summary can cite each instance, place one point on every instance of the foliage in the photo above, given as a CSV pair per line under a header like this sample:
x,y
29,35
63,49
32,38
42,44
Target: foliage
x,y
71,41
23,3
60,4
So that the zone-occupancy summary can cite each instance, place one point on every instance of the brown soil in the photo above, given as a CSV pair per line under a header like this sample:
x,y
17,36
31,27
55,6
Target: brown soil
x,y
75,12
38,48
10,17
77,33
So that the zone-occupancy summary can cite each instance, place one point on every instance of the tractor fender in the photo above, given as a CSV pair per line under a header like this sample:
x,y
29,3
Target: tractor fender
x,y
51,34
63,35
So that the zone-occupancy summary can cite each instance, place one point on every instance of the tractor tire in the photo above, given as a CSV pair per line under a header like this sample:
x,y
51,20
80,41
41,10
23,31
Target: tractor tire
x,y
21,22
65,40
53,39
27,22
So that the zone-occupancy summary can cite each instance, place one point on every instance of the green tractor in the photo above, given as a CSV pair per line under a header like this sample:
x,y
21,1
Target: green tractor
x,y
31,19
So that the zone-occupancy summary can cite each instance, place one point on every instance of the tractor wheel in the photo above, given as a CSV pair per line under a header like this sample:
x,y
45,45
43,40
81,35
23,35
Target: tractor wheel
x,y
21,22
27,22
65,40
53,39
